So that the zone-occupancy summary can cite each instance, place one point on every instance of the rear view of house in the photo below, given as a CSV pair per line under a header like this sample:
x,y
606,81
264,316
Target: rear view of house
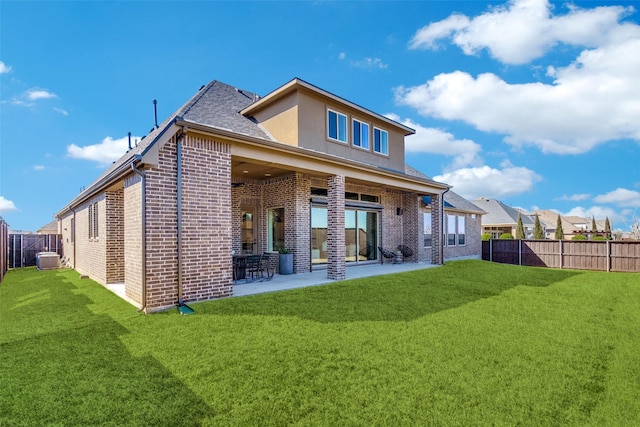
x,y
233,172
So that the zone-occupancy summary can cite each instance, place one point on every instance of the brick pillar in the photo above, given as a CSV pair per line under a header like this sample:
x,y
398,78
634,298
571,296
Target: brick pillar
x,y
411,231
437,255
335,229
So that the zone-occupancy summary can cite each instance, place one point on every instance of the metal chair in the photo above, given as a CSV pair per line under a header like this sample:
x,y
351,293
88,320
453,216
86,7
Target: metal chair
x,y
253,267
386,254
407,252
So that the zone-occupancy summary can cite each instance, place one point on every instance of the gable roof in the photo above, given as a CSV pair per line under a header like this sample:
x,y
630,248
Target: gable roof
x,y
216,106
500,214
297,84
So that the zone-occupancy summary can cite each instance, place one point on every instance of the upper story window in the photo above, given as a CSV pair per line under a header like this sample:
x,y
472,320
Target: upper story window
x,y
360,134
336,126
381,141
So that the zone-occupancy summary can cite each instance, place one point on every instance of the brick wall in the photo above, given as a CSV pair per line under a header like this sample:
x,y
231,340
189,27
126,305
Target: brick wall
x,y
91,252
133,237
206,223
114,235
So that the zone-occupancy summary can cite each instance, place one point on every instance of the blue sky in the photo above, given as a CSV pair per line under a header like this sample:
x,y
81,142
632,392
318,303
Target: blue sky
x,y
531,102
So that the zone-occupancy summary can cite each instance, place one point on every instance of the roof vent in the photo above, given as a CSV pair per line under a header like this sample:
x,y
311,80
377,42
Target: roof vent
x,y
155,113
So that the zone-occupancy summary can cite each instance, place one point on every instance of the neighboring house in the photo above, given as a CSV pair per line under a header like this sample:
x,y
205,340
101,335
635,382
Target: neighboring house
x,y
462,226
232,172
501,218
50,228
571,225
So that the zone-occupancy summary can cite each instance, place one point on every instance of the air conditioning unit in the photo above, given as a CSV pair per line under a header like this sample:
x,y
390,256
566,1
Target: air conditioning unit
x,y
47,260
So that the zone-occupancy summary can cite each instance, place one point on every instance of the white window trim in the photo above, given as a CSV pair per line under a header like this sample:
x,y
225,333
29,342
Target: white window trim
x,y
373,142
346,118
353,141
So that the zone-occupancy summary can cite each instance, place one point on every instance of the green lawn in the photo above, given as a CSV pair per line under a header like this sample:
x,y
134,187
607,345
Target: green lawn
x,y
469,343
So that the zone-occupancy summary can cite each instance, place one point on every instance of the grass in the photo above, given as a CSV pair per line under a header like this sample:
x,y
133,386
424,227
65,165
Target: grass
x,y
470,343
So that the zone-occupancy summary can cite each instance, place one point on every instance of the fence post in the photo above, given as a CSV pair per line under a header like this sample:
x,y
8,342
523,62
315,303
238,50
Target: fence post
x,y
561,257
519,251
490,250
608,255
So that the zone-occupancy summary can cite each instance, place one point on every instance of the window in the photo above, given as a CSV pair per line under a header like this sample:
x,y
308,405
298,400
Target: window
x,y
93,221
427,230
73,229
462,235
451,230
336,126
381,141
360,134
276,229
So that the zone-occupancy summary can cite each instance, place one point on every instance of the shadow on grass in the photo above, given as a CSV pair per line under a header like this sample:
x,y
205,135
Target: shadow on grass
x,y
398,297
74,370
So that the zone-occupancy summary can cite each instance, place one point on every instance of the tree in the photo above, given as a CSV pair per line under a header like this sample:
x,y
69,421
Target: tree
x,y
607,228
520,229
538,233
594,228
559,230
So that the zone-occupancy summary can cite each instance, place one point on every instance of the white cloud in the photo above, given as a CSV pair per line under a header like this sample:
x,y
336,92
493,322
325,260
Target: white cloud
x,y
574,197
38,167
4,68
486,181
620,197
523,30
591,100
61,111
599,212
6,205
436,141
342,55
107,151
370,63
35,94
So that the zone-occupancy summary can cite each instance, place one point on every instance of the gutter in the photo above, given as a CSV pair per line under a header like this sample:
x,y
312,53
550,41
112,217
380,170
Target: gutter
x,y
143,226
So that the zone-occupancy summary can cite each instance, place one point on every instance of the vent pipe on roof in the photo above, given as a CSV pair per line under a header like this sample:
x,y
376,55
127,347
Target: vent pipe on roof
x,y
129,133
155,113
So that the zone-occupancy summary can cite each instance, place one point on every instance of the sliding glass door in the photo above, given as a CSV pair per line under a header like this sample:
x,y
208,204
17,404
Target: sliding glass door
x,y
360,232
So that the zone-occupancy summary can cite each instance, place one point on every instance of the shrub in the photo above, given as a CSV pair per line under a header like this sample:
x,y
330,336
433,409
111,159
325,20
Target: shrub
x,y
486,236
579,237
506,236
599,238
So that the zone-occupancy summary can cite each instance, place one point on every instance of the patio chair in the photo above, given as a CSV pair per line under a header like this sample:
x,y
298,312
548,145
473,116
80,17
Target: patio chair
x,y
386,254
253,267
268,265
407,252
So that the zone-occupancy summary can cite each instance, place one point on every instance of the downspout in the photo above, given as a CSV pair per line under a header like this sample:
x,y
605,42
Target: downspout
x,y
74,237
182,307
442,218
143,226
179,197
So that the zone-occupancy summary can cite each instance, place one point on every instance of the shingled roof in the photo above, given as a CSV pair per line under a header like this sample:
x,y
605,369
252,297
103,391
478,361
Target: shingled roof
x,y
499,213
216,105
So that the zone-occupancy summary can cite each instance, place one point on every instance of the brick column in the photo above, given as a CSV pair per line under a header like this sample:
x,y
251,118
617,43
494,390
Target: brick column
x,y
411,231
335,229
437,255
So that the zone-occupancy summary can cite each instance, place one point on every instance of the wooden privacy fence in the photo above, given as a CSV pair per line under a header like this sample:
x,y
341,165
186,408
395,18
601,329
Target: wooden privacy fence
x,y
609,255
23,248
